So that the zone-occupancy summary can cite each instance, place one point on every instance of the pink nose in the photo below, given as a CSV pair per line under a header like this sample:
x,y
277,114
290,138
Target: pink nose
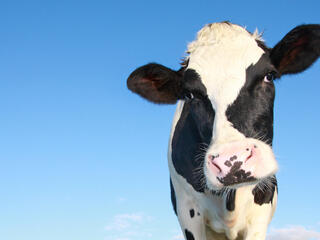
x,y
233,164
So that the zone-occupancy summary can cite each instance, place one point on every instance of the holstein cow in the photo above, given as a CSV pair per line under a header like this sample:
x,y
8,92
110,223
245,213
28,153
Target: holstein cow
x,y
222,167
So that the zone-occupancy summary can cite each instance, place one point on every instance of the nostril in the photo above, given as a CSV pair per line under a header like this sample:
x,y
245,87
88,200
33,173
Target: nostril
x,y
213,162
216,165
211,157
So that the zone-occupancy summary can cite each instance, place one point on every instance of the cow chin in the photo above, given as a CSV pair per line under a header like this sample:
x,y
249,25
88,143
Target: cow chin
x,y
238,163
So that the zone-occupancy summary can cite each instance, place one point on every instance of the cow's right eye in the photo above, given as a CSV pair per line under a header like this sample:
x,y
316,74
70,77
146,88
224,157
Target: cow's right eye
x,y
269,77
189,96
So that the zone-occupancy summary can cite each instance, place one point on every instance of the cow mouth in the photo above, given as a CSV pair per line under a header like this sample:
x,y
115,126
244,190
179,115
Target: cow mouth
x,y
237,175
230,181
250,156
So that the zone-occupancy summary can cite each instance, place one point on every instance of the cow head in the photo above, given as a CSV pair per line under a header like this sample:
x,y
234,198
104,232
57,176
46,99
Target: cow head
x,y
228,81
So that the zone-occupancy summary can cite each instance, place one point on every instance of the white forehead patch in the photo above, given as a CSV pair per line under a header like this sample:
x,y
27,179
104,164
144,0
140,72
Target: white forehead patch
x,y
221,54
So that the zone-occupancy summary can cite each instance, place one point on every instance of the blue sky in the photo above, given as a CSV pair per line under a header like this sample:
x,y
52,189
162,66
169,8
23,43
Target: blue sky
x,y
83,158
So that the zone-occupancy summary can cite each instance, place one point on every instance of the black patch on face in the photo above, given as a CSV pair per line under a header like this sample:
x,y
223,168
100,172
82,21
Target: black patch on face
x,y
236,175
193,134
173,198
252,112
189,235
264,194
192,84
230,200
191,213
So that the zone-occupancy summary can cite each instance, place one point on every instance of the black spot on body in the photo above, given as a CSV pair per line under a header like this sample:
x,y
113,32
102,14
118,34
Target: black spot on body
x,y
230,200
173,198
264,194
192,132
189,235
191,213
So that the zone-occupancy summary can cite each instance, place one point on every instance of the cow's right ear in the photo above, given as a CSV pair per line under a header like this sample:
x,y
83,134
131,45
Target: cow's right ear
x,y
156,83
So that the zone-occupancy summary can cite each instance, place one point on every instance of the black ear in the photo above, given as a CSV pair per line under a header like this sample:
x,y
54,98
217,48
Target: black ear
x,y
156,83
297,50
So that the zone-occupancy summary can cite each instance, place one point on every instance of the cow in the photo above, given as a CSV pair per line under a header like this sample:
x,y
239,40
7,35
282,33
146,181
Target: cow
x,y
221,163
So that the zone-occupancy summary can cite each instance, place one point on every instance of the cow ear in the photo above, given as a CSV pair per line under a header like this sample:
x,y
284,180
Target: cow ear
x,y
156,83
297,50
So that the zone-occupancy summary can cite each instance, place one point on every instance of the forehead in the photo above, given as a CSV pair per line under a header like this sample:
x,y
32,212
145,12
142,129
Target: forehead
x,y
220,54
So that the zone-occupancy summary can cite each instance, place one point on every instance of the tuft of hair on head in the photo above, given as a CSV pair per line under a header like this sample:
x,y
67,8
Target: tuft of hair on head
x,y
257,35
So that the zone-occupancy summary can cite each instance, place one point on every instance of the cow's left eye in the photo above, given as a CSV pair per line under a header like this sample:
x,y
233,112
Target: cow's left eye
x,y
269,77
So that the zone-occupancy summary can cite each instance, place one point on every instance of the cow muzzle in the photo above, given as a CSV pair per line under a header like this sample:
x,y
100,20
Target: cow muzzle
x,y
241,162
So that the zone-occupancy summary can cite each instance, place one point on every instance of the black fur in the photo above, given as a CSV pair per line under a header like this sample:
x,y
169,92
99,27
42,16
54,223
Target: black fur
x,y
173,198
189,235
264,194
252,112
192,133
230,201
192,84
191,213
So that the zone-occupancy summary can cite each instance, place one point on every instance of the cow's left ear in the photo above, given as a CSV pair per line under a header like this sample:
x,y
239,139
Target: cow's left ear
x,y
156,83
297,50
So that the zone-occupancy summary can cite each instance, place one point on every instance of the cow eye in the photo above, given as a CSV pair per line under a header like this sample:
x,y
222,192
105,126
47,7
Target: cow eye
x,y
189,96
269,77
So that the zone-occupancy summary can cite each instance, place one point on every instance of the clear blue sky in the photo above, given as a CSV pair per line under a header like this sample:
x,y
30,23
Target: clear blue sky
x,y
82,158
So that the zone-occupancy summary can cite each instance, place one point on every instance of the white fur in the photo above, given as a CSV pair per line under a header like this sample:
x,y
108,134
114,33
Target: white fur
x,y
220,55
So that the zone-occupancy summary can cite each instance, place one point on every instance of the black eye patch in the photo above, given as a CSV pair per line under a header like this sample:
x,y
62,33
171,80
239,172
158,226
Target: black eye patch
x,y
252,112
255,73
192,84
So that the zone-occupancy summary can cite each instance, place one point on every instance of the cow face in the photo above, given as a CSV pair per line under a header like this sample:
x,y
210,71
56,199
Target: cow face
x,y
227,87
